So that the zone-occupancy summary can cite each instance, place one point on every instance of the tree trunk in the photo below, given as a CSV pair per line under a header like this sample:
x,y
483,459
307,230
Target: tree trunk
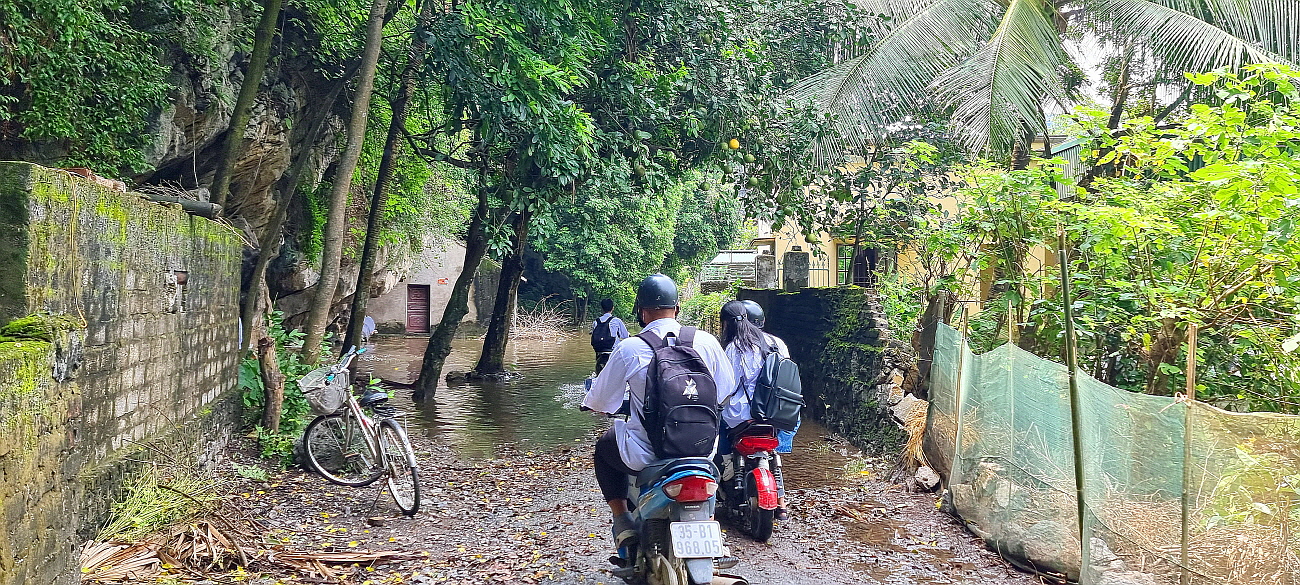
x,y
332,254
379,200
273,382
492,360
269,241
244,104
1165,345
435,354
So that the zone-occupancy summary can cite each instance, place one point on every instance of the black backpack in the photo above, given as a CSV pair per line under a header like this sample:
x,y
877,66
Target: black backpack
x,y
681,398
778,393
602,339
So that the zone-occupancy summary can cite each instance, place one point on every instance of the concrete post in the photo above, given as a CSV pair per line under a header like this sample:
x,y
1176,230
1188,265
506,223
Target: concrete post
x,y
765,271
795,270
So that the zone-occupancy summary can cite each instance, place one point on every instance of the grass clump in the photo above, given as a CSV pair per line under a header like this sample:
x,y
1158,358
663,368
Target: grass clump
x,y
156,500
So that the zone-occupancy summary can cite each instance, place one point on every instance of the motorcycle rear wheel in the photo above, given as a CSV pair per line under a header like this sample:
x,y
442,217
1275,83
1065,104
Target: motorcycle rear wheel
x,y
668,571
758,522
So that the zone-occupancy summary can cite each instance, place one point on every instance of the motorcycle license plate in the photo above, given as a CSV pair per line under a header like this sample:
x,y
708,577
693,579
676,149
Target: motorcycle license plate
x,y
696,540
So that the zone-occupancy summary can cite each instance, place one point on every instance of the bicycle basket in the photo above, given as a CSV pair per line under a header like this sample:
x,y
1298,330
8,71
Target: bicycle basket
x,y
324,396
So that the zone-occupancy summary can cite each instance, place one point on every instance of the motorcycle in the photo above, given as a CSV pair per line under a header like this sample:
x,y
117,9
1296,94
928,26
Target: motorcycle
x,y
678,542
749,494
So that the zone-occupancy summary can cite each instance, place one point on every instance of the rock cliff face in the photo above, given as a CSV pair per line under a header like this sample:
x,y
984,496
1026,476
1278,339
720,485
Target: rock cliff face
x,y
187,136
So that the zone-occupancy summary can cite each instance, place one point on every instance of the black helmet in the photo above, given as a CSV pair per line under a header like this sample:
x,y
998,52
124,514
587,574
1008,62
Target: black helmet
x,y
755,312
656,292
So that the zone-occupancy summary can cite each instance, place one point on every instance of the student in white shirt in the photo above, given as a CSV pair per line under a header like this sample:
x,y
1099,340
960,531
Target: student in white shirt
x,y
746,346
606,332
625,448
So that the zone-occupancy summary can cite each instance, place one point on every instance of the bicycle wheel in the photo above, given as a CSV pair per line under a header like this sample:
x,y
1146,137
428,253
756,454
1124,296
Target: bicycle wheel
x,y
399,458
337,449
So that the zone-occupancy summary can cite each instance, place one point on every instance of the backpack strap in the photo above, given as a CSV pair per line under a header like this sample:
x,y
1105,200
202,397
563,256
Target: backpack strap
x,y
654,341
686,336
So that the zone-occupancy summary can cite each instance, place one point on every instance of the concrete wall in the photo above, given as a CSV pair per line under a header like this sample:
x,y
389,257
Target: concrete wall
x,y
136,359
846,358
438,266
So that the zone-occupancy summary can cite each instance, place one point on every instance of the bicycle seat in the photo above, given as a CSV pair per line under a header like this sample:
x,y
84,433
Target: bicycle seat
x,y
373,399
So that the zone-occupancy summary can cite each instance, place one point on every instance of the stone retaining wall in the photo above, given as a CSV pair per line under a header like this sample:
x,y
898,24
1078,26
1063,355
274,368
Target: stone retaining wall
x,y
144,306
849,363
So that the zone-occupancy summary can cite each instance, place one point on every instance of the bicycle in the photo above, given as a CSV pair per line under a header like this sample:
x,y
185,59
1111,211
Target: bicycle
x,y
349,447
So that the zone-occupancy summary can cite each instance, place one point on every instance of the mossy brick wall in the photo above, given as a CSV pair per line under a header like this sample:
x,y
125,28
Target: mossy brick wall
x,y
151,375
837,337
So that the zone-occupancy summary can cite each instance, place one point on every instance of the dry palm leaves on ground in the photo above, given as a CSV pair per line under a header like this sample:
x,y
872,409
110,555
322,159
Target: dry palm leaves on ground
x,y
210,548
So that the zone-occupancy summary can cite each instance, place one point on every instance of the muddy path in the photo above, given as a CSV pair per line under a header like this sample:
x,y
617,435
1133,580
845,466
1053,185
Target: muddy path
x,y
536,517
510,496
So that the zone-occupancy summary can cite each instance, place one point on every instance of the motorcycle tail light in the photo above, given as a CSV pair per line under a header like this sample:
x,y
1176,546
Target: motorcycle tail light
x,y
695,488
751,444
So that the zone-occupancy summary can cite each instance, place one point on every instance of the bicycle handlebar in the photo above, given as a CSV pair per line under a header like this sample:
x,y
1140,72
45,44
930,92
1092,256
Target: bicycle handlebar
x,y
347,359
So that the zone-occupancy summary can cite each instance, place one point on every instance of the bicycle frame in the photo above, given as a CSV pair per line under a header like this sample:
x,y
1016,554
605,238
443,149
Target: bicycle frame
x,y
366,422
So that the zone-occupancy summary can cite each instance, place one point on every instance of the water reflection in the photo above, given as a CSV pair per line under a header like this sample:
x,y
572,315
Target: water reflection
x,y
539,409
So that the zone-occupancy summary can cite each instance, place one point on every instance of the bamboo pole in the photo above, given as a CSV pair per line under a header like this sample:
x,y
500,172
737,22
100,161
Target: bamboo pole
x,y
1185,576
1076,420
960,394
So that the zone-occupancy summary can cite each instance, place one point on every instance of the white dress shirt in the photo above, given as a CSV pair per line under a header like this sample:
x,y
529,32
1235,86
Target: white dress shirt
x,y
626,372
616,326
746,365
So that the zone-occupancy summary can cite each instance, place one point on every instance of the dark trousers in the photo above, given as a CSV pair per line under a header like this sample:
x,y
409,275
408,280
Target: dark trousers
x,y
602,358
611,472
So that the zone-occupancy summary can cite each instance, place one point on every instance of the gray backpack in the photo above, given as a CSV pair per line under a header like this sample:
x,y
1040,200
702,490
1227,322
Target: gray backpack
x,y
778,392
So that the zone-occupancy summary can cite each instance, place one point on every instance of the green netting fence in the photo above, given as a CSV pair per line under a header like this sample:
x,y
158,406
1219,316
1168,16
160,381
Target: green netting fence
x,y
1000,426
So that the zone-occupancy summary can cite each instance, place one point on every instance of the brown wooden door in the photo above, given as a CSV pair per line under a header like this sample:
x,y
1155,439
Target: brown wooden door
x,y
417,308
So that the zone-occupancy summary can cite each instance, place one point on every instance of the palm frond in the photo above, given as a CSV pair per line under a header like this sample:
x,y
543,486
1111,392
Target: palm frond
x,y
1199,35
998,92
868,92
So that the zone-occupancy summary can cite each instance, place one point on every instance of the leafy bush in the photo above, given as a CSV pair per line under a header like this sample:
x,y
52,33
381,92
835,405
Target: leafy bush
x,y
701,310
296,412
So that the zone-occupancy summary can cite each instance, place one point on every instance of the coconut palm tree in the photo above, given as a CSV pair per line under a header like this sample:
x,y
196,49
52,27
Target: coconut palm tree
x,y
996,64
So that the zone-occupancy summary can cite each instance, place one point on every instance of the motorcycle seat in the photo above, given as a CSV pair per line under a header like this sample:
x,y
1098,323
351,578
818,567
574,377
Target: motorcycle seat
x,y
667,467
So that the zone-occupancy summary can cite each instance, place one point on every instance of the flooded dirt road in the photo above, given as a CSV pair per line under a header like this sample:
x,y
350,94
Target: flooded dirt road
x,y
510,496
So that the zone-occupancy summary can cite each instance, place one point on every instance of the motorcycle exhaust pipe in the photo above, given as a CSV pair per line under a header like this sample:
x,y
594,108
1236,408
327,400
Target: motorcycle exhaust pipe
x,y
728,580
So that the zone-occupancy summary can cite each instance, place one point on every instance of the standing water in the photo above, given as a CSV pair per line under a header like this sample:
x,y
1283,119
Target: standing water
x,y
539,409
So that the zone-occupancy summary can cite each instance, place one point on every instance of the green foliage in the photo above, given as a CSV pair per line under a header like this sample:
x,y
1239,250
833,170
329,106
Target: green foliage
x,y
610,234
252,472
1257,488
426,201
702,310
1189,222
80,81
78,75
295,412
899,294
157,499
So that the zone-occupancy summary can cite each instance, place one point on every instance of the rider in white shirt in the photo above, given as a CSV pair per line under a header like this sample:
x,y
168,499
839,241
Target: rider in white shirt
x,y
625,448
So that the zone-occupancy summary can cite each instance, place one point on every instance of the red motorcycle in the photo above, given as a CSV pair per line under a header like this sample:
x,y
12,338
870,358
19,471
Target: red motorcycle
x,y
749,495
